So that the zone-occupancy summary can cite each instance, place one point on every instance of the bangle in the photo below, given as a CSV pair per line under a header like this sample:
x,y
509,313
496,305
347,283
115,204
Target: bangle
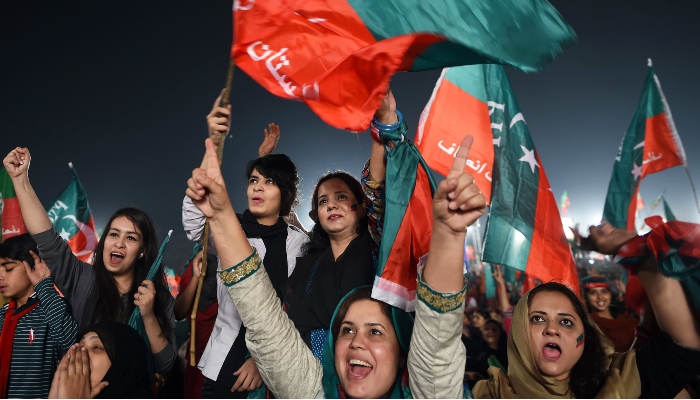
x,y
388,127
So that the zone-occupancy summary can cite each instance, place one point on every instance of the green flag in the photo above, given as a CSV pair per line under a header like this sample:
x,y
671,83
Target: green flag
x,y
667,211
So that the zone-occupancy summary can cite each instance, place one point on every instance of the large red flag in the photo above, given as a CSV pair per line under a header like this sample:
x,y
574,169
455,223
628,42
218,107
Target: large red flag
x,y
10,215
338,56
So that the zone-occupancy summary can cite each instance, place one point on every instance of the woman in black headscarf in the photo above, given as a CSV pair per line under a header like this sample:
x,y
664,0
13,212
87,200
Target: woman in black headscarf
x,y
110,362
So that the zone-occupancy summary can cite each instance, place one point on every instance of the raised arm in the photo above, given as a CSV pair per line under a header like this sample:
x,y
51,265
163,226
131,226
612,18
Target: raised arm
x,y
671,305
437,356
17,165
385,114
185,300
287,366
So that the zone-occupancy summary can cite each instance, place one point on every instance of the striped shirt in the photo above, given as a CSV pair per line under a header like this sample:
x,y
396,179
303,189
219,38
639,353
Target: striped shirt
x,y
41,337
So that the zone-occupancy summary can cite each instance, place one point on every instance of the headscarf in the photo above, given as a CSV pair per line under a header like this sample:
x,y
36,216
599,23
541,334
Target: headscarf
x,y
128,376
403,325
525,381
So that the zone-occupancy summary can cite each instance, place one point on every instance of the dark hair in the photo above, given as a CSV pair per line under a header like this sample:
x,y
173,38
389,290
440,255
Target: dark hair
x,y
108,306
319,238
17,248
590,372
483,312
281,169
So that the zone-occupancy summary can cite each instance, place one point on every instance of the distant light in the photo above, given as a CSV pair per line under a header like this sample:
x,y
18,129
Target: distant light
x,y
591,261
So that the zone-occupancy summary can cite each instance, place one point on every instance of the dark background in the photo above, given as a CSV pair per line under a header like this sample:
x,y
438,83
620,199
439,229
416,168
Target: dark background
x,y
121,89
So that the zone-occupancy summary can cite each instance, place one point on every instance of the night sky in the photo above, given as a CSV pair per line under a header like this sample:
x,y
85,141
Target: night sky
x,y
122,88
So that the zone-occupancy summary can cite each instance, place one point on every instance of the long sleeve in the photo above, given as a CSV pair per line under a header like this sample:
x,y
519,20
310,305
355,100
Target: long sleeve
x,y
285,362
164,359
63,329
437,356
193,223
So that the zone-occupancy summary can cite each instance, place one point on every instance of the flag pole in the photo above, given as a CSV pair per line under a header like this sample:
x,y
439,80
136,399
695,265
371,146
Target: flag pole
x,y
692,186
225,97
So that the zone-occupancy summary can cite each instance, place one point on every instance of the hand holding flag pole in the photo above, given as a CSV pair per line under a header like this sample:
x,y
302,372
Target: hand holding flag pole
x,y
223,100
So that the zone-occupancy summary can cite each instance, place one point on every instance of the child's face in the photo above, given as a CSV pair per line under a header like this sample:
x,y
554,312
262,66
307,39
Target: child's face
x,y
14,282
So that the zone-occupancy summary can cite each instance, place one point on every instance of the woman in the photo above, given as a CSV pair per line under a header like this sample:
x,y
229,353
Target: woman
x,y
115,284
272,194
555,349
367,359
620,329
479,318
342,252
109,362
495,342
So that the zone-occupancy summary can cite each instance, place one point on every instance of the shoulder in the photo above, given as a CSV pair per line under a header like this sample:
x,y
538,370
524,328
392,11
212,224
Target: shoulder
x,y
297,234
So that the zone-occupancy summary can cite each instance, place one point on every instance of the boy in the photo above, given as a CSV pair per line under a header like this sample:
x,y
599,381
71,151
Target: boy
x,y
36,326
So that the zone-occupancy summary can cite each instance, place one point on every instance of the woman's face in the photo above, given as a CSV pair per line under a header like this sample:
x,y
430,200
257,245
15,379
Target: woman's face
x,y
123,246
598,299
491,333
478,320
366,351
556,334
337,208
264,197
99,360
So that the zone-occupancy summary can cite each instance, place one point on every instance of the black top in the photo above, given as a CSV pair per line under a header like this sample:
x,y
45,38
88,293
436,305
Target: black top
x,y
665,367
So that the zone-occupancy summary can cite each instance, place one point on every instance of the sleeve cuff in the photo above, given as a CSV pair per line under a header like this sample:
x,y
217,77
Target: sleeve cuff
x,y
242,270
440,302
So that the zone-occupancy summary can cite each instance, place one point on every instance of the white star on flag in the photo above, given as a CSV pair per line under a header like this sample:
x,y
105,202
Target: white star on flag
x,y
637,171
529,158
64,235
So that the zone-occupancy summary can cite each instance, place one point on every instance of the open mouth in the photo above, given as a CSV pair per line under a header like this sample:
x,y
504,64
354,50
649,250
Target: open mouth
x,y
116,257
333,217
551,351
358,369
257,200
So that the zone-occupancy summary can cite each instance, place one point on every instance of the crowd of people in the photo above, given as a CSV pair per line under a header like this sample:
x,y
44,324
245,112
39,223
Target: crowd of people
x,y
277,310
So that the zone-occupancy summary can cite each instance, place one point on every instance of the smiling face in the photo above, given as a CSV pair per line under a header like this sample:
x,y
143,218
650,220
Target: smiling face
x,y
491,333
123,245
366,351
598,299
556,334
99,360
264,198
14,282
338,208
478,320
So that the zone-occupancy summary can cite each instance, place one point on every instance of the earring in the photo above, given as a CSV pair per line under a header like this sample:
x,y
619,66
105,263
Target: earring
x,y
141,256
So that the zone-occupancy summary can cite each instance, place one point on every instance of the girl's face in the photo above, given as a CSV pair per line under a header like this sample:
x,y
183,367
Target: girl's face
x,y
556,334
264,198
123,246
99,360
337,208
366,351
491,333
598,299
478,320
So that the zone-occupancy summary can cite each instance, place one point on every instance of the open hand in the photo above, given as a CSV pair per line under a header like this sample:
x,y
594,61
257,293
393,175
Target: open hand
x,y
607,239
248,377
206,187
72,378
40,270
458,202
386,113
272,136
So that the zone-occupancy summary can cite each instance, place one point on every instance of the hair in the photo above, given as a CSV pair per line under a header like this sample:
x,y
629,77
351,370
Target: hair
x,y
108,306
503,338
483,312
281,169
319,238
589,373
17,248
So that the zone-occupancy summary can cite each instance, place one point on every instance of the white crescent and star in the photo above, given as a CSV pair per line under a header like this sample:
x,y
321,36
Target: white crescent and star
x,y
529,158
90,236
637,171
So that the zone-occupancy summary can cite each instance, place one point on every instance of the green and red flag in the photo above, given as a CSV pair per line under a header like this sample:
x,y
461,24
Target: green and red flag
x,y
650,145
338,56
524,229
564,203
656,202
72,219
667,211
10,215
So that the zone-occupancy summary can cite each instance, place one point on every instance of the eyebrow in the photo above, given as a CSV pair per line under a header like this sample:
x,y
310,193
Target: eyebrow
x,y
366,324
4,263
128,232
559,314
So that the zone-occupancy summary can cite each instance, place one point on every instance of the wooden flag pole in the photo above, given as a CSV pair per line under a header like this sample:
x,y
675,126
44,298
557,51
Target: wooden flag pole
x,y
205,245
692,186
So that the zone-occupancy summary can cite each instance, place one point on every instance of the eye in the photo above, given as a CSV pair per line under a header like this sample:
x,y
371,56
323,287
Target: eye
x,y
131,238
536,318
567,322
322,201
113,234
252,181
375,332
9,269
345,330
342,197
270,182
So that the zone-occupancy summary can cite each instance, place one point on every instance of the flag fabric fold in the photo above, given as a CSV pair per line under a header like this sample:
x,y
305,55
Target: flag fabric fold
x,y
524,229
10,215
72,219
338,56
650,145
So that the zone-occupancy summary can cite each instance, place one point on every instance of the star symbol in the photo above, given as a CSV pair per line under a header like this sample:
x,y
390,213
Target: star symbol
x,y
637,171
529,158
64,235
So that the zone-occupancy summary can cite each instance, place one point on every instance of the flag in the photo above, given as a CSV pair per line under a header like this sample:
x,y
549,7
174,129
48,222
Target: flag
x,y
667,211
656,202
72,219
565,203
640,202
10,215
524,229
338,56
650,145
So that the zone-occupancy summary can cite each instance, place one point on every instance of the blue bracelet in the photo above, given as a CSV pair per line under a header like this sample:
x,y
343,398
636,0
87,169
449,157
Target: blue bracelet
x,y
388,127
